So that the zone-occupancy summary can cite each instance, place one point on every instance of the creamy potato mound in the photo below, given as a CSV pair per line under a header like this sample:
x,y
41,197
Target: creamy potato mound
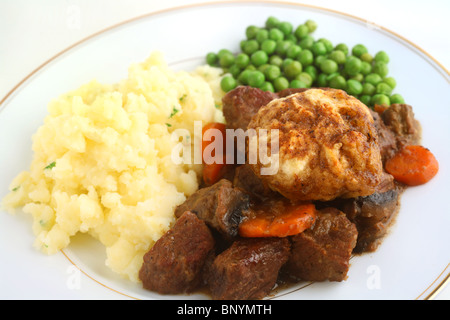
x,y
102,161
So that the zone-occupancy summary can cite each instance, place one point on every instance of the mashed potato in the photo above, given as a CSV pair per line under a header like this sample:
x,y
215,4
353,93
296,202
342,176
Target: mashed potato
x,y
102,161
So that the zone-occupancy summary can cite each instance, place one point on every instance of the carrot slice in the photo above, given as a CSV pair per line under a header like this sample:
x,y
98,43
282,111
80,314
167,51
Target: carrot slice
x,y
213,171
206,142
413,165
295,220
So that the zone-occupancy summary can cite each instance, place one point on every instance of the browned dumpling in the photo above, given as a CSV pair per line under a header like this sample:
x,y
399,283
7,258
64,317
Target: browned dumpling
x,y
328,146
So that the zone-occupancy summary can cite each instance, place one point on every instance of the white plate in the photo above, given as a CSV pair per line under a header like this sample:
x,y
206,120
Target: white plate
x,y
412,262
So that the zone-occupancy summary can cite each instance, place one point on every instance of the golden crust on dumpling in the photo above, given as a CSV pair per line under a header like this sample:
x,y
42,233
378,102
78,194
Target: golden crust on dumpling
x,y
328,146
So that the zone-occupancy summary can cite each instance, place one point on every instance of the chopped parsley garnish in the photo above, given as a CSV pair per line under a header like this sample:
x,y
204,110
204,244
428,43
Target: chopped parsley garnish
x,y
183,97
174,112
168,125
51,165
15,189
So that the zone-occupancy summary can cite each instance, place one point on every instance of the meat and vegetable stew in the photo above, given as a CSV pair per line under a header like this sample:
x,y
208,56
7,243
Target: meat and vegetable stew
x,y
241,232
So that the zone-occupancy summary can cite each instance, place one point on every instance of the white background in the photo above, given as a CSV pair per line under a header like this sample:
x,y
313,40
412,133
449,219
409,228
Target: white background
x,y
31,32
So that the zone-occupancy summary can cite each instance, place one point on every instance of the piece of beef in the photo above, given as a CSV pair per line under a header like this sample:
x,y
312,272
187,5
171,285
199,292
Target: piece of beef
x,y
400,119
386,138
240,104
248,269
396,128
175,262
246,179
323,251
221,206
372,216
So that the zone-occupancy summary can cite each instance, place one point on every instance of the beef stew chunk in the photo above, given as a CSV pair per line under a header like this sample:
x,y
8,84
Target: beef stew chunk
x,y
246,179
323,251
221,206
372,216
248,269
396,128
240,104
175,263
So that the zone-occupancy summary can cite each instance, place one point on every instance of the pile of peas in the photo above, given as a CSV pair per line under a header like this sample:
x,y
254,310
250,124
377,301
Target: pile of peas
x,y
277,57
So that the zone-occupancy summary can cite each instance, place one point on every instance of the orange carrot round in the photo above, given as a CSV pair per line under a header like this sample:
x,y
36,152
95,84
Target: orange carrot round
x,y
295,220
413,165
205,142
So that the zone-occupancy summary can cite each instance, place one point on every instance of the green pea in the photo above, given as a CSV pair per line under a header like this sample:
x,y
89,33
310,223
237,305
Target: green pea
x,y
293,51
212,59
297,84
262,35
228,83
259,58
380,99
397,98
342,47
280,83
272,22
373,78
366,57
276,34
269,46
291,37
226,60
263,67
352,66
306,42
250,46
256,79
358,50
282,47
318,60
391,82
365,99
312,25
319,49
305,57
380,68
234,70
382,56
292,69
338,56
354,87
285,27
276,60
302,31
327,43
272,72
368,89
338,82
329,66
366,67
242,60
322,80
243,77
267,86
305,78
286,62
223,52
384,88
358,77
251,31
312,71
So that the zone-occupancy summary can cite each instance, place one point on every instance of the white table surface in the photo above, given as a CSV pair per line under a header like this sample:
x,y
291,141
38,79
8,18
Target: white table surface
x,y
31,32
